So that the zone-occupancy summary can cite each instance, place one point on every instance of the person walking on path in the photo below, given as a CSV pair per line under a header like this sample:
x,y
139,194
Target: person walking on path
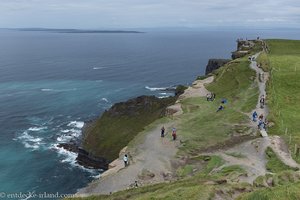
x,y
174,133
254,116
162,133
266,124
262,101
125,159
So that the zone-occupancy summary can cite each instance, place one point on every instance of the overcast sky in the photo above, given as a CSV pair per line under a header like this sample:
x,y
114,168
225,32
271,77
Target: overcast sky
x,y
97,14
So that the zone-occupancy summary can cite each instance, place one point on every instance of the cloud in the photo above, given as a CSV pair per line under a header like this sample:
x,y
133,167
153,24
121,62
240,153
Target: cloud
x,y
147,13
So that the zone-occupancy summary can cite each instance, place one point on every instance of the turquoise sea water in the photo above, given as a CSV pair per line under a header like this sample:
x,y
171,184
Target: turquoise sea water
x,y
50,83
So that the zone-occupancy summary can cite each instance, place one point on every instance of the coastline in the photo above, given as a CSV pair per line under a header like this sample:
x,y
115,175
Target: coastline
x,y
197,89
105,184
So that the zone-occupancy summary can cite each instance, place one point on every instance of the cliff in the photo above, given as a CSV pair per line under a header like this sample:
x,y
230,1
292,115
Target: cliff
x,y
214,64
104,137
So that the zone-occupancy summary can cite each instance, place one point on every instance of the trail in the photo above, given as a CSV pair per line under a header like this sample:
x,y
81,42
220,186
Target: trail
x,y
151,159
252,153
197,89
150,165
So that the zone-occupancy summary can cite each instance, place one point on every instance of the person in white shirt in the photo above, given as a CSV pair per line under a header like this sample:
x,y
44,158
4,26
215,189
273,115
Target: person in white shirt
x,y
125,159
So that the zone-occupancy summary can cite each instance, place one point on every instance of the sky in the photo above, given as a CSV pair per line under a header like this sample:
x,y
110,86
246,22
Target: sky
x,y
120,14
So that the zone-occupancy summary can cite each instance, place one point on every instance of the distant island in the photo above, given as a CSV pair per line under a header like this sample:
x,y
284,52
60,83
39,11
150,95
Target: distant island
x,y
74,30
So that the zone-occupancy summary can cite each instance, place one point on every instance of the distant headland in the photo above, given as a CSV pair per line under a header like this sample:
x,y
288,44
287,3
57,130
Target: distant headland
x,y
55,30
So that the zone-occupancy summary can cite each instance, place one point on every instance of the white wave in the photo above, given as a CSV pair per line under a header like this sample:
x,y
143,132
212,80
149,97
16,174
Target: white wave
x,y
155,89
69,135
163,93
77,124
161,97
70,157
97,68
60,90
29,141
31,146
99,81
96,176
37,128
26,137
104,99
46,90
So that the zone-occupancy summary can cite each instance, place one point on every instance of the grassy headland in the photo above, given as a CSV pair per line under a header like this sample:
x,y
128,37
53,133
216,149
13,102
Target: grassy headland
x,y
200,127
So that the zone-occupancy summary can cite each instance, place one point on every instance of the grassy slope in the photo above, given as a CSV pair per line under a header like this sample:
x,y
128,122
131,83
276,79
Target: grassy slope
x,y
283,192
283,95
274,165
283,89
200,127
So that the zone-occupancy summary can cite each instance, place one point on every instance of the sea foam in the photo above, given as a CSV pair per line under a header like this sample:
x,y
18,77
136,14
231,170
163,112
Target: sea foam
x,y
77,124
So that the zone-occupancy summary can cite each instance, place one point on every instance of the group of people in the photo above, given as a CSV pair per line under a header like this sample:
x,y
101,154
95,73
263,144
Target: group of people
x,y
262,122
174,135
210,96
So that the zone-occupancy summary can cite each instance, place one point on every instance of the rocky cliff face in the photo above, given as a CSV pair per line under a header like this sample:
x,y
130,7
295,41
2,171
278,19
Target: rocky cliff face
x,y
214,64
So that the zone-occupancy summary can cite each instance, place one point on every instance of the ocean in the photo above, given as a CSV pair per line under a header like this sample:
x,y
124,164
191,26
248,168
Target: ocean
x,y
51,83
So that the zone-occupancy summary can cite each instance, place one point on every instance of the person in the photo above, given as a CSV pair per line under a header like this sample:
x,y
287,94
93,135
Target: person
x,y
221,107
254,116
208,97
261,117
174,133
125,159
213,96
162,133
266,124
224,101
262,101
260,122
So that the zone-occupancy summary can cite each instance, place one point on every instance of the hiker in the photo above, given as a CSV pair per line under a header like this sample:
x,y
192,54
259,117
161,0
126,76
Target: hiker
x,y
162,133
254,116
208,97
213,96
174,133
261,117
224,101
260,122
265,124
262,101
125,159
221,107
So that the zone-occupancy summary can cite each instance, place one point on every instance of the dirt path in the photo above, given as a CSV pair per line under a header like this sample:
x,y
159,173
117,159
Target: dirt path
x,y
251,155
196,90
150,165
262,92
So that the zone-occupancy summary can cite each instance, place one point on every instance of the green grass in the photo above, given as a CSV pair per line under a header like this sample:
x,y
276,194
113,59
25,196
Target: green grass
x,y
283,89
236,154
201,126
274,165
263,61
283,192
185,170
